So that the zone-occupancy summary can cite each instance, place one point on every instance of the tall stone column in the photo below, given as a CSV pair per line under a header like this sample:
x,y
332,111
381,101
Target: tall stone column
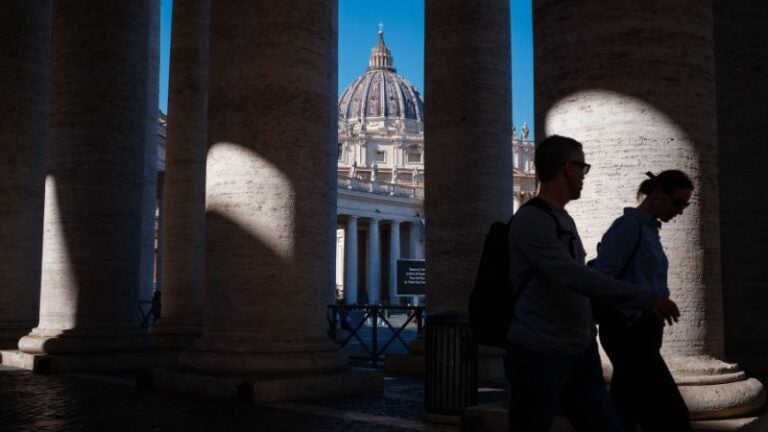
x,y
270,190
184,202
350,261
93,189
635,82
24,106
373,263
468,168
394,255
149,180
741,48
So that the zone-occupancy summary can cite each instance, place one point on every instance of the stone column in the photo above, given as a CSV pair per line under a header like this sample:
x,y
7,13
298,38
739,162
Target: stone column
x,y
373,263
24,86
394,255
93,189
634,81
741,32
270,189
468,168
350,261
184,201
159,220
149,180
415,244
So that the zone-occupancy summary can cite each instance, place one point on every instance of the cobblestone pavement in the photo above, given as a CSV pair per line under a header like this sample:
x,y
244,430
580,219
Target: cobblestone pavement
x,y
78,402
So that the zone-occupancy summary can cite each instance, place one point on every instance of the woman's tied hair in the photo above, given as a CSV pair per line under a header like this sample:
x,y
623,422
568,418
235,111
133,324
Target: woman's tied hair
x,y
669,181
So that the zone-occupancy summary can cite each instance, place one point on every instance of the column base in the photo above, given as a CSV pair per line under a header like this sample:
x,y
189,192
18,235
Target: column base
x,y
244,354
9,336
111,362
270,387
79,342
714,389
174,337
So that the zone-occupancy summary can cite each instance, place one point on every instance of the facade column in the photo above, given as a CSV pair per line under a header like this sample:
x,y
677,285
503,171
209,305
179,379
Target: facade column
x,y
415,240
24,106
269,226
742,92
653,110
394,255
184,201
373,263
350,261
468,168
93,190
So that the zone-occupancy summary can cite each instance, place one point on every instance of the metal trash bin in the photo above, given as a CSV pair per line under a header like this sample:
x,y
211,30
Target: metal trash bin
x,y
450,374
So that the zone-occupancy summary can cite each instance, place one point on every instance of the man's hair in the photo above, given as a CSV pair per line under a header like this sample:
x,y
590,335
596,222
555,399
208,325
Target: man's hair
x,y
552,153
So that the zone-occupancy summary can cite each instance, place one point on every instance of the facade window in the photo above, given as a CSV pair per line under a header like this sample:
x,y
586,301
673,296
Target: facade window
x,y
381,156
414,157
340,151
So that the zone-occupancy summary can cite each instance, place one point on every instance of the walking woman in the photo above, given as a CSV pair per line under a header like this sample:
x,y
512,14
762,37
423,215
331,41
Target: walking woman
x,y
642,387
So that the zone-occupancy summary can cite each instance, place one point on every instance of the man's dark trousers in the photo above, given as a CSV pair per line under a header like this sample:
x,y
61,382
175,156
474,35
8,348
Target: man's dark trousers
x,y
540,382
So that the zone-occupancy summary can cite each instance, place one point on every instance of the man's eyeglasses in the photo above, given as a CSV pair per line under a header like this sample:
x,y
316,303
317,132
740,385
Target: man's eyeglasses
x,y
584,166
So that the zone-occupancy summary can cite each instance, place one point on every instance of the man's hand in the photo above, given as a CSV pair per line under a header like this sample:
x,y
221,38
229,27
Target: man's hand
x,y
665,309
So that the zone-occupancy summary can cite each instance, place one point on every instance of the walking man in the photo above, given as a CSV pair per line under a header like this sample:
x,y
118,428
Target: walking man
x,y
552,358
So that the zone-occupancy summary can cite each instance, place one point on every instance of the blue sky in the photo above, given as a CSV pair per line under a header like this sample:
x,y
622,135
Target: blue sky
x,y
404,34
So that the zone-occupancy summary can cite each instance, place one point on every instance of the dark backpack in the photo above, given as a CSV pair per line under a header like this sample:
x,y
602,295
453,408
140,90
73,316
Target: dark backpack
x,y
492,301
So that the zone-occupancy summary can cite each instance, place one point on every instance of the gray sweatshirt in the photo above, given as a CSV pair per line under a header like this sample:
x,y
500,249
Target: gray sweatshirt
x,y
553,313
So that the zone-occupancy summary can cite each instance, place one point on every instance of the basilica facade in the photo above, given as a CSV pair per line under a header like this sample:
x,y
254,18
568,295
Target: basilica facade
x,y
381,181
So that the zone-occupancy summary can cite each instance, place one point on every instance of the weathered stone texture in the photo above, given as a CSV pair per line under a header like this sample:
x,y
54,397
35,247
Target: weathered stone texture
x,y
741,44
24,85
93,199
635,84
184,188
467,130
270,188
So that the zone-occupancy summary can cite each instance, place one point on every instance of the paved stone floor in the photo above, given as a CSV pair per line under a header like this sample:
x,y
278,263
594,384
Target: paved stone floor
x,y
80,402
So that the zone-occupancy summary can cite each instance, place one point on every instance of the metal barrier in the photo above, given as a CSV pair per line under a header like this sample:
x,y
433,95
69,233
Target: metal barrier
x,y
339,318
147,314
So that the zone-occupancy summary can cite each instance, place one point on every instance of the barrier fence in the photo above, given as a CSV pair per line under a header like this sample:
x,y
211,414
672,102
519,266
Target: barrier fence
x,y
357,322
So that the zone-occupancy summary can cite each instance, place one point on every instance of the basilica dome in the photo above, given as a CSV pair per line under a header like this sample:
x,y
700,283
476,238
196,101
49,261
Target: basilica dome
x,y
380,92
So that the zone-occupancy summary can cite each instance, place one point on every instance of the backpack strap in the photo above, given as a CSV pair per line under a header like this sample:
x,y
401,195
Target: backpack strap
x,y
528,275
561,232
